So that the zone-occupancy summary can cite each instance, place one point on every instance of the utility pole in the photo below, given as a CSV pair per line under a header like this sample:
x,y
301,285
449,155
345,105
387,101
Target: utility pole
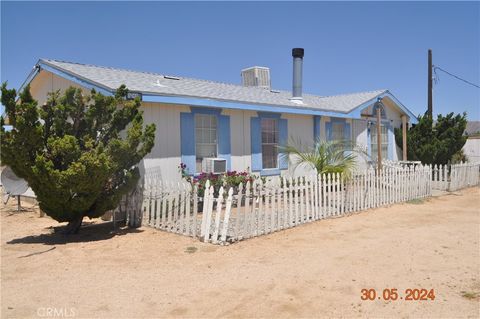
x,y
430,95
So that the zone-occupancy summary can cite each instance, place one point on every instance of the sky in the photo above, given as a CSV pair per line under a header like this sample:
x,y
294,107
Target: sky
x,y
349,46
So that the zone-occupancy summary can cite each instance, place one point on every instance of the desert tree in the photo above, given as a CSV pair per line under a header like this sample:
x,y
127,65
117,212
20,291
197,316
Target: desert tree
x,y
79,153
435,142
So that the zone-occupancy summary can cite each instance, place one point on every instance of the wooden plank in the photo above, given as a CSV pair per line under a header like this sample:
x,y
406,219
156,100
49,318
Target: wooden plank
x,y
216,230
307,199
343,194
363,190
320,195
238,218
208,219
261,214
285,212
273,208
226,220
163,197
148,204
335,194
152,202
253,228
371,188
324,196
266,224
158,207
291,212
205,206
296,202
330,194
317,196
246,212
181,218
280,211
188,215
312,197
170,210
300,201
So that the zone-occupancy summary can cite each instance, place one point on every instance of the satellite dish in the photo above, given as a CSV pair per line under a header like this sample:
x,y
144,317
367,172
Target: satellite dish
x,y
13,184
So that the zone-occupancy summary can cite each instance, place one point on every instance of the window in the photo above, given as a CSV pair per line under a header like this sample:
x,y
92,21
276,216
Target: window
x,y
338,131
205,138
384,140
269,143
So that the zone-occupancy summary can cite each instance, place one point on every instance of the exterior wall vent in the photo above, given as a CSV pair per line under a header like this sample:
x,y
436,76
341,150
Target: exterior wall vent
x,y
258,76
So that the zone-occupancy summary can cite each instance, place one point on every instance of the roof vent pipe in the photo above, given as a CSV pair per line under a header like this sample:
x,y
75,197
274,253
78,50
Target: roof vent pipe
x,y
297,54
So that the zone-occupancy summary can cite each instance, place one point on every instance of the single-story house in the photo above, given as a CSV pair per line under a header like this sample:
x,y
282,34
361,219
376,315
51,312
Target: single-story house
x,y
241,123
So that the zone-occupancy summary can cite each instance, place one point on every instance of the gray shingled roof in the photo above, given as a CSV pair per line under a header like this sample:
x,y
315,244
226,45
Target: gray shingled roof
x,y
473,128
157,84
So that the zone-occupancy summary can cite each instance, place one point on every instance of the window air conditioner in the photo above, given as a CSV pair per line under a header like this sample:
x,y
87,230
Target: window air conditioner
x,y
214,165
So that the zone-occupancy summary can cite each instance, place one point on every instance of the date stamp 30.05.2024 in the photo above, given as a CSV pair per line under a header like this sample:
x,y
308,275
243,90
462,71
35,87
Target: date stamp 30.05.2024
x,y
392,294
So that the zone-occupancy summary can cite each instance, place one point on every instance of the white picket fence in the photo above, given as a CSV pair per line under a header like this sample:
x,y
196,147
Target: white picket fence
x,y
260,208
455,177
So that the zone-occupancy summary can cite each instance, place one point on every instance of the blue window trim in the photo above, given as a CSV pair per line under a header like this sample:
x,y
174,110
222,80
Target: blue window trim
x,y
268,115
205,110
333,120
187,141
277,170
225,134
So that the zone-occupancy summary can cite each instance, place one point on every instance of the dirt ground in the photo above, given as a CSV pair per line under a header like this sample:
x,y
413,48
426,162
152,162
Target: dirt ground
x,y
315,270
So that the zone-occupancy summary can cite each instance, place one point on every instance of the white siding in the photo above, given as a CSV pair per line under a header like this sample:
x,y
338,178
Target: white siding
x,y
360,137
166,152
46,82
300,128
240,138
472,149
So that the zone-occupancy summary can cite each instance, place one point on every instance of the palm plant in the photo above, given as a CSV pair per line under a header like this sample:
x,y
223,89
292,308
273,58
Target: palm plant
x,y
324,157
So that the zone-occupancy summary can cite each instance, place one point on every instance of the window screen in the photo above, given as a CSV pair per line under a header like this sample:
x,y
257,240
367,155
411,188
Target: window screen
x,y
384,140
269,143
205,137
338,133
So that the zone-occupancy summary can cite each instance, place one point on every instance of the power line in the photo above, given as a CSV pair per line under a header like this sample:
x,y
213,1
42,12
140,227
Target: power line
x,y
457,77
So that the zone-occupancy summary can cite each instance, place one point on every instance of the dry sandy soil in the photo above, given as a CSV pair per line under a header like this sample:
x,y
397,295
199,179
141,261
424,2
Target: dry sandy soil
x,y
315,270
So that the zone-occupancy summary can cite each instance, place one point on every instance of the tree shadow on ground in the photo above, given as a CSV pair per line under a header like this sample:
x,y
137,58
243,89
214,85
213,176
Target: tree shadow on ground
x,y
88,233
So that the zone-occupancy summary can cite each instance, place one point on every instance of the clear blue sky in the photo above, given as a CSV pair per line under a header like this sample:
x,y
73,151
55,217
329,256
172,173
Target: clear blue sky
x,y
349,47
